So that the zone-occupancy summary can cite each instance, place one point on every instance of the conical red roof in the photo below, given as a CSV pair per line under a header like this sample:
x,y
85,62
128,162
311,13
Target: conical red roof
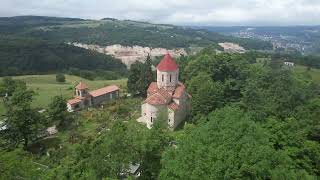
x,y
81,86
167,64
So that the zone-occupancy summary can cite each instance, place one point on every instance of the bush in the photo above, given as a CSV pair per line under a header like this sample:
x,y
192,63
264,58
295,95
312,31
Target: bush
x,y
60,78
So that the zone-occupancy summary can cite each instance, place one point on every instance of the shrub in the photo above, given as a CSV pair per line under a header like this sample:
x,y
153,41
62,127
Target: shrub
x,y
60,78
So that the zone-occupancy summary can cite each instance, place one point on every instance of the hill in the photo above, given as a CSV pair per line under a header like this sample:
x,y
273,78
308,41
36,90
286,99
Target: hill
x,y
33,56
112,31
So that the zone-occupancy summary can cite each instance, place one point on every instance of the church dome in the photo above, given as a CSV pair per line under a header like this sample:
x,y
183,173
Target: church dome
x,y
167,64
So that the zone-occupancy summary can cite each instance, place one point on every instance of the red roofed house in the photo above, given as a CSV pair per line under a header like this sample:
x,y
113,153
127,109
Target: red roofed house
x,y
84,98
167,95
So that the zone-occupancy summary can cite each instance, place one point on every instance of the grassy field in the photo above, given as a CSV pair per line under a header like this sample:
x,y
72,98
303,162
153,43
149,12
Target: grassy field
x,y
46,87
314,73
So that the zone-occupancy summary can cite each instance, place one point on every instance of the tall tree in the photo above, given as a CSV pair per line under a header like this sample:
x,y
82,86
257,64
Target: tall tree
x,y
207,96
157,140
23,122
57,111
140,76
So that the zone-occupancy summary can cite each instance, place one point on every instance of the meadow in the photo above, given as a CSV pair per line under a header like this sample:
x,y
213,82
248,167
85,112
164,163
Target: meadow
x,y
46,87
313,73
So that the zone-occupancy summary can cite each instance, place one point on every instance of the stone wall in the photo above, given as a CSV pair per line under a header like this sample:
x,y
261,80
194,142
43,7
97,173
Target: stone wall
x,y
166,79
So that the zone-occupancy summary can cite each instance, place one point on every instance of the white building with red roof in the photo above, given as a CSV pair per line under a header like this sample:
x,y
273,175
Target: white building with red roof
x,y
167,96
83,98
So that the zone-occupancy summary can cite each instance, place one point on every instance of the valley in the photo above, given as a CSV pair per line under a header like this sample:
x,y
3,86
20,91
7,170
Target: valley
x,y
303,39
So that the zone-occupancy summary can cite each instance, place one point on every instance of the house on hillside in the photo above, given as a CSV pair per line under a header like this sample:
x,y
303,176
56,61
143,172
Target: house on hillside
x,y
83,98
288,64
167,96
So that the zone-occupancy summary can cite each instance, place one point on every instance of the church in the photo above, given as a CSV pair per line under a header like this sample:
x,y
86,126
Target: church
x,y
167,96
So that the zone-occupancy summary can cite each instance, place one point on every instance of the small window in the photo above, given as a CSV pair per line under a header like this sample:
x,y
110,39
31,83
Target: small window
x,y
151,119
162,77
169,120
170,77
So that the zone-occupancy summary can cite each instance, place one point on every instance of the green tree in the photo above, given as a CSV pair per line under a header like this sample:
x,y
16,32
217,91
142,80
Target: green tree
x,y
157,140
113,153
206,94
18,164
140,77
23,122
276,92
8,86
57,111
229,146
60,78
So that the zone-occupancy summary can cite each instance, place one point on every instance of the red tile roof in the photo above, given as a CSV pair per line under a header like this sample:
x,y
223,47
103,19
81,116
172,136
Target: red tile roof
x,y
173,106
103,91
167,95
74,101
156,99
180,89
159,98
167,64
81,86
153,88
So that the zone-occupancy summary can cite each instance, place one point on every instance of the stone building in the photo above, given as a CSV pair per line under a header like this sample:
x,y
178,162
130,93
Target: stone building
x,y
83,98
167,96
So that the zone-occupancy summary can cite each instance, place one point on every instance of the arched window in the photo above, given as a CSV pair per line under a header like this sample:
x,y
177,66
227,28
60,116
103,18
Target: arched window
x,y
151,119
162,77
170,77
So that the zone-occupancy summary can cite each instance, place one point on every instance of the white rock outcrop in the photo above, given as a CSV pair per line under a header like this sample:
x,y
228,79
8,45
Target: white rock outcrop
x,y
128,55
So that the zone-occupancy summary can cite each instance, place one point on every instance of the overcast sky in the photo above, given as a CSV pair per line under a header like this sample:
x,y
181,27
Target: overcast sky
x,y
181,12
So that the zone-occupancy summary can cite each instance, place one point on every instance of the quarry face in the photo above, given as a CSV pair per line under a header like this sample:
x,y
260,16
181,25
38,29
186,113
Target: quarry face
x,y
128,55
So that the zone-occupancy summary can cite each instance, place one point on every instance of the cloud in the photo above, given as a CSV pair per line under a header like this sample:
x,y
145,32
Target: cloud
x,y
201,12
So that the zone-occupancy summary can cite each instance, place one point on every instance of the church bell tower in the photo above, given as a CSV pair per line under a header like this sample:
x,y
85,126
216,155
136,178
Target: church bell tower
x,y
167,73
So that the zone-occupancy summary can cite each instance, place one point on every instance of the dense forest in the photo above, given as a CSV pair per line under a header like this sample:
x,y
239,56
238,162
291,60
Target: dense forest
x,y
249,120
20,56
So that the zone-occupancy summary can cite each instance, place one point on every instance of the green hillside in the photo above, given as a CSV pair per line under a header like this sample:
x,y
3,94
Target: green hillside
x,y
33,56
112,31
46,87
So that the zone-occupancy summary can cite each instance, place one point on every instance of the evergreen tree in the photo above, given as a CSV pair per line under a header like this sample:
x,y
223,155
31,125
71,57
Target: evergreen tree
x,y
140,77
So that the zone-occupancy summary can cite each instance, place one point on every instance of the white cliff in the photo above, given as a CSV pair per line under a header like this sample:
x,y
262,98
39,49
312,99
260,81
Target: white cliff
x,y
128,55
